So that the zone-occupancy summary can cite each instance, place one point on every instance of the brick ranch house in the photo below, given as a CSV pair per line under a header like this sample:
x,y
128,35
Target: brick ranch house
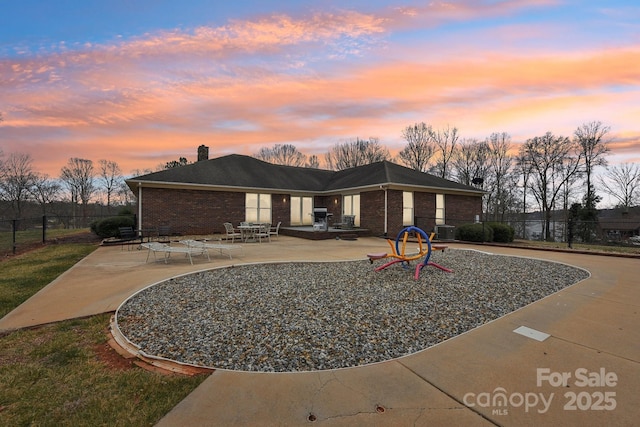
x,y
382,197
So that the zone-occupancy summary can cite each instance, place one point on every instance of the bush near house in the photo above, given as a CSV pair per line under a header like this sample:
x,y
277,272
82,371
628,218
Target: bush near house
x,y
502,233
108,227
493,232
474,233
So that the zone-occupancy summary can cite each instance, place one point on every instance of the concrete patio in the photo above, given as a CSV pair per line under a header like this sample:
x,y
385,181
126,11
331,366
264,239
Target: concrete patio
x,y
587,372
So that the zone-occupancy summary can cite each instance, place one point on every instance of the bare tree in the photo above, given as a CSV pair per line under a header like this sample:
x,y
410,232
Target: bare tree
x,y
446,141
523,170
552,160
500,171
471,161
78,176
182,161
140,172
125,195
591,139
313,162
356,153
16,177
110,177
420,147
470,164
282,154
623,182
374,152
44,190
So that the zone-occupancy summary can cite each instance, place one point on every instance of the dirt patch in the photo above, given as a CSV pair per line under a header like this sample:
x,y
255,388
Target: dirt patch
x,y
80,238
87,237
107,355
116,358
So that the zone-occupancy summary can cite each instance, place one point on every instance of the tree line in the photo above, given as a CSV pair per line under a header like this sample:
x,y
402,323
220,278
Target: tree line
x,y
546,173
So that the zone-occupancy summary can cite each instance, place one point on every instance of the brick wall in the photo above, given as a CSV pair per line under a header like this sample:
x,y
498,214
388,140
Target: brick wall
x,y
204,212
372,211
280,209
395,208
424,209
191,211
461,209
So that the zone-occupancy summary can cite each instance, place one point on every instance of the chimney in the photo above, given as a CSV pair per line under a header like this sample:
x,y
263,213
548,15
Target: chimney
x,y
203,153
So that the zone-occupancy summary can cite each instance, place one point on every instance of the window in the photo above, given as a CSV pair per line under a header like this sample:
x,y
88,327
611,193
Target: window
x,y
351,206
301,210
439,209
257,207
407,208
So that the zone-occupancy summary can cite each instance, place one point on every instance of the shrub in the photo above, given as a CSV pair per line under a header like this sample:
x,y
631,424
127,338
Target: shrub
x,y
502,233
473,233
108,227
126,210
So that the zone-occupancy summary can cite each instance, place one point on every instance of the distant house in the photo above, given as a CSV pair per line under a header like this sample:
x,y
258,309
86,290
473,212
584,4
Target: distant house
x,y
618,225
381,197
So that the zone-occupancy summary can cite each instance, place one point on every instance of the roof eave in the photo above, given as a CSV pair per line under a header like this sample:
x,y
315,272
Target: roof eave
x,y
134,184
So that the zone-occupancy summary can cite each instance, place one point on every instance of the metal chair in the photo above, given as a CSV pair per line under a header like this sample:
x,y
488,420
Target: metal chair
x,y
164,231
274,231
264,232
232,232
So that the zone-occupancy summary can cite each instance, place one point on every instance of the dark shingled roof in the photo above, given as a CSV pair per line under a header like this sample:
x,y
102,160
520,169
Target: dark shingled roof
x,y
248,172
389,173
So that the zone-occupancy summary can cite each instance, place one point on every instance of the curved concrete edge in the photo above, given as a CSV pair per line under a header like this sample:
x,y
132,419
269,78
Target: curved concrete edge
x,y
126,346
182,367
590,324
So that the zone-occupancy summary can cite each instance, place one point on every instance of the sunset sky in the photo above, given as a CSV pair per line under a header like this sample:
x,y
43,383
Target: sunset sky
x,y
145,82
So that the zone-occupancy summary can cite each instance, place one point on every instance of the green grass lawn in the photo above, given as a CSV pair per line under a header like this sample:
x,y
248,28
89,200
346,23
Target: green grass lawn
x,y
58,375
24,275
33,236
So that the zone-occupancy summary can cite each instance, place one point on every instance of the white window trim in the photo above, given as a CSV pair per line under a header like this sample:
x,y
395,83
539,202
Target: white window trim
x,y
258,208
409,209
352,209
440,210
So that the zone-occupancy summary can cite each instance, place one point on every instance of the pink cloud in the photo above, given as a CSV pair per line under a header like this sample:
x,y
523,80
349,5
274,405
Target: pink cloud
x,y
157,97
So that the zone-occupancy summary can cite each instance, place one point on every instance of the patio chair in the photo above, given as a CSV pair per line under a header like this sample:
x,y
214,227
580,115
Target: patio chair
x,y
126,235
164,231
205,245
232,233
168,250
263,232
274,231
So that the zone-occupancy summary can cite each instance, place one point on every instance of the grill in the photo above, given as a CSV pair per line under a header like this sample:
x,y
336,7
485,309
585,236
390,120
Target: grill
x,y
320,219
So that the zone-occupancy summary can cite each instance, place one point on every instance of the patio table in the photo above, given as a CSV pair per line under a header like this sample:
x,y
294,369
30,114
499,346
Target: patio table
x,y
249,231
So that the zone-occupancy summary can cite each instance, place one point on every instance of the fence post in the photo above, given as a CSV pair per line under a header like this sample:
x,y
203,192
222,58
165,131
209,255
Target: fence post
x,y
570,233
44,229
14,226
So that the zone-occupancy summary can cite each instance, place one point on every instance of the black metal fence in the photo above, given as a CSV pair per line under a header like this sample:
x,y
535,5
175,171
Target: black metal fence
x,y
568,231
18,234
609,232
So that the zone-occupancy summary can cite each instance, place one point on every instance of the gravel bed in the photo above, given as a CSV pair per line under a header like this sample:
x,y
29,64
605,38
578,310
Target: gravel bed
x,y
313,316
